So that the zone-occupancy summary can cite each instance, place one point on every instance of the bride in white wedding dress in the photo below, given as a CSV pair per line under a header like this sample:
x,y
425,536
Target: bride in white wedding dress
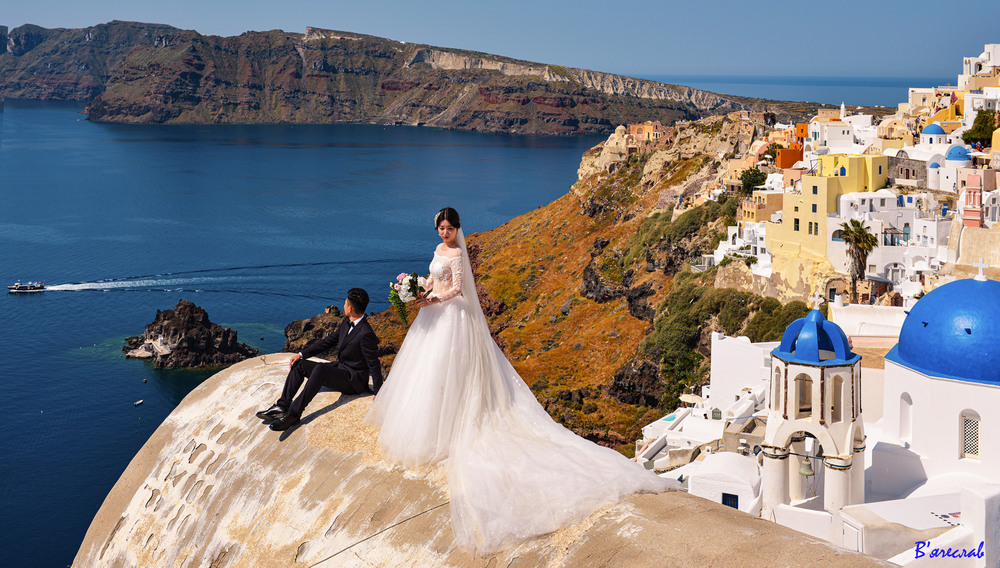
x,y
452,399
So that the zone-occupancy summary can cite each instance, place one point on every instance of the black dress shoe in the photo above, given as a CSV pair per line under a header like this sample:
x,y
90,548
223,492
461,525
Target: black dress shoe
x,y
271,413
287,421
275,418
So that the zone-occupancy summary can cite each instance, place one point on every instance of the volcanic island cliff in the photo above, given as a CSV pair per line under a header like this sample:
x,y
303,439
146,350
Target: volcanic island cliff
x,y
149,73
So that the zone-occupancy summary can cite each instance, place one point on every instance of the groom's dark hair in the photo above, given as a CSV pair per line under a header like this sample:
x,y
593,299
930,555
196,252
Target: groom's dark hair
x,y
358,299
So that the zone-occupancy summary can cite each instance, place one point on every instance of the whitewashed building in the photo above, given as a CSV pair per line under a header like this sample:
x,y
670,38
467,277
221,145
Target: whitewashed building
x,y
939,449
912,232
738,390
917,475
746,240
937,159
981,65
987,98
815,396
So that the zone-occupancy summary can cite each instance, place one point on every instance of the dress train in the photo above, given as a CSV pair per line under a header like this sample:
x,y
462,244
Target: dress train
x,y
453,399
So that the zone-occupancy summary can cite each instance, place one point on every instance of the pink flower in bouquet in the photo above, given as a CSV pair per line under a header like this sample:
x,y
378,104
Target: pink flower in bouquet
x,y
405,289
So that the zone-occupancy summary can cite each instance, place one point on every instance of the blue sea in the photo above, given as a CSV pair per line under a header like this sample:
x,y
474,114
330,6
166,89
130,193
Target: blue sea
x,y
260,225
853,91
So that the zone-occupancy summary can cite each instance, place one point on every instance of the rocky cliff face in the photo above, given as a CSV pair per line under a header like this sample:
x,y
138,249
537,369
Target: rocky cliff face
x,y
69,64
213,487
184,337
338,77
153,73
582,294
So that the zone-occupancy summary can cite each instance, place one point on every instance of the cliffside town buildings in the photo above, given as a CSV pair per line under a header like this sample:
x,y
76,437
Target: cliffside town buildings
x,y
929,198
897,458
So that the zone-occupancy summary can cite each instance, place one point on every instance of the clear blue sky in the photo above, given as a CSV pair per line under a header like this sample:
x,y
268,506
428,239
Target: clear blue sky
x,y
915,38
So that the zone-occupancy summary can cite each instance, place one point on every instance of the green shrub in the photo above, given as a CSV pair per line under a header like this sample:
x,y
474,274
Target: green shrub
x,y
686,225
650,231
769,323
682,316
982,128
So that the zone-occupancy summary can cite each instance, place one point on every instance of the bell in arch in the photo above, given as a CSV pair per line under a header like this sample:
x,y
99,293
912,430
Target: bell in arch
x,y
806,469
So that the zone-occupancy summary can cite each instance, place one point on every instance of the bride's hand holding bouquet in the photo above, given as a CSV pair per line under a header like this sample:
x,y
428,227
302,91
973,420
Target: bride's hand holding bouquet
x,y
407,288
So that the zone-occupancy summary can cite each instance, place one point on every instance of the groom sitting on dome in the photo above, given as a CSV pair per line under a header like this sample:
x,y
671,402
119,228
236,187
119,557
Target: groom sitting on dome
x,y
357,358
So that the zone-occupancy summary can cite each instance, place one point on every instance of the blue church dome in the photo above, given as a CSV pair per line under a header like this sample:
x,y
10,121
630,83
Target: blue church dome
x,y
952,332
933,128
935,165
814,340
958,154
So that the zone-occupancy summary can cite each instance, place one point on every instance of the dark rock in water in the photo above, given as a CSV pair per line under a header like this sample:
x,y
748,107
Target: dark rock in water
x,y
184,337
300,333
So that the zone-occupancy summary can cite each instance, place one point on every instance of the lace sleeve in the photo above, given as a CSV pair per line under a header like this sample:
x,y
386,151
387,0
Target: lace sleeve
x,y
456,280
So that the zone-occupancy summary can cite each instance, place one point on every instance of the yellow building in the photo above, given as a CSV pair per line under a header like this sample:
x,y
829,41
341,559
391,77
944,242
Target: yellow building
x,y
761,205
802,231
947,111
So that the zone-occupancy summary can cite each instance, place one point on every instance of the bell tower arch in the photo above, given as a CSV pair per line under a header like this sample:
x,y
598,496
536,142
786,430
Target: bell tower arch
x,y
820,398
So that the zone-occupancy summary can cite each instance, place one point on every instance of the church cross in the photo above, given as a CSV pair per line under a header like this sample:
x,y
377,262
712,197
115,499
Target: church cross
x,y
817,299
981,266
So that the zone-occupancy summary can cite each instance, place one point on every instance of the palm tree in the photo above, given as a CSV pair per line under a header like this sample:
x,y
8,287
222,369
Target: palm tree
x,y
860,243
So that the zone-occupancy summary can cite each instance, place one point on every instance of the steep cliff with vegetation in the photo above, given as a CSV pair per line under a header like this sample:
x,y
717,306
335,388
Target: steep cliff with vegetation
x,y
148,73
593,299
603,316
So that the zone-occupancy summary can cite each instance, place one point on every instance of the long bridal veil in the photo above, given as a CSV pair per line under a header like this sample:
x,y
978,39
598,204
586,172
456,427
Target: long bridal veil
x,y
513,472
453,399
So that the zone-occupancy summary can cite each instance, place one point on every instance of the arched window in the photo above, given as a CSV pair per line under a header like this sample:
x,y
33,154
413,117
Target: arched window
x,y
837,236
837,407
969,423
843,171
803,396
905,417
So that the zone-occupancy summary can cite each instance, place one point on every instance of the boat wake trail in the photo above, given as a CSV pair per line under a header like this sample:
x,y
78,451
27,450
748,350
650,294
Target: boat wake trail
x,y
294,280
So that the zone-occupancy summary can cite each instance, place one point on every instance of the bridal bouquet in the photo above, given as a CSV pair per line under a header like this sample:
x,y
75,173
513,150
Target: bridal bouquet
x,y
404,290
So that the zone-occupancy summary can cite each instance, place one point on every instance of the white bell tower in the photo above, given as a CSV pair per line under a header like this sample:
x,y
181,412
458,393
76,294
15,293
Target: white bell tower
x,y
815,393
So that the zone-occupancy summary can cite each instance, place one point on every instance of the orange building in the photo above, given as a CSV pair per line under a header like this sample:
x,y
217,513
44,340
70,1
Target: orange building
x,y
801,131
786,157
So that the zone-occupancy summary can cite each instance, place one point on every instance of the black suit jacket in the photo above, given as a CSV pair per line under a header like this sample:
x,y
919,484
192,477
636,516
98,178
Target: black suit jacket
x,y
357,353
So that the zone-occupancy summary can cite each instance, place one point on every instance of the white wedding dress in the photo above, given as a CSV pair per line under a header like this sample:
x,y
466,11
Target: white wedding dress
x,y
452,399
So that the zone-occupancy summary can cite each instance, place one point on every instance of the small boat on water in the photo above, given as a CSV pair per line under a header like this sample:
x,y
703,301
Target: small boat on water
x,y
23,287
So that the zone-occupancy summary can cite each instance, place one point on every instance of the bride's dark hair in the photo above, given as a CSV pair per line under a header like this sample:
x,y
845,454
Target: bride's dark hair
x,y
447,214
